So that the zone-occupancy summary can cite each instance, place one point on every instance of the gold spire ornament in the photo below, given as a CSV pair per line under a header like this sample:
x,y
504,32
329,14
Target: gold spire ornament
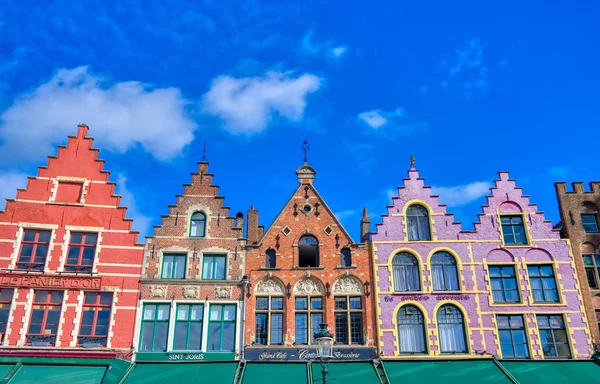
x,y
412,161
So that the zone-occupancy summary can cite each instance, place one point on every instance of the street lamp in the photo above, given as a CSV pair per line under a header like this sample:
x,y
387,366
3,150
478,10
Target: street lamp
x,y
324,348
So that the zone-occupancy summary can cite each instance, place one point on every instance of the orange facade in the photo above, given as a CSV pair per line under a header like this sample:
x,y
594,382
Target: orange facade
x,y
69,259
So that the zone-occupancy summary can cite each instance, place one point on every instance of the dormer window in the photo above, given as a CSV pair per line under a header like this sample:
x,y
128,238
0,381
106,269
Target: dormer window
x,y
346,257
308,251
417,218
198,225
271,260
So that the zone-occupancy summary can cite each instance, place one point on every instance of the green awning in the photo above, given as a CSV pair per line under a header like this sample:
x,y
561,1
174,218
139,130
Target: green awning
x,y
351,372
59,374
532,372
182,373
275,373
4,369
444,371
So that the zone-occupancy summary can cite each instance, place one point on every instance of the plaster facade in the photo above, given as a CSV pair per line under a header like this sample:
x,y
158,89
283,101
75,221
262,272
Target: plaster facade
x,y
69,259
474,253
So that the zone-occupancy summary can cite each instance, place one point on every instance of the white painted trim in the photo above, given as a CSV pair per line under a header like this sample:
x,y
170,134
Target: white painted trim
x,y
26,317
63,309
77,320
10,322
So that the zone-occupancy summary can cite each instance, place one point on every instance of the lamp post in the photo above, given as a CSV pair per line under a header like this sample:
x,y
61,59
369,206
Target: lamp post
x,y
324,348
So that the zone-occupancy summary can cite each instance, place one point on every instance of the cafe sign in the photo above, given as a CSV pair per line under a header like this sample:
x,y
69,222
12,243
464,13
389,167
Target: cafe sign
x,y
41,281
306,354
184,357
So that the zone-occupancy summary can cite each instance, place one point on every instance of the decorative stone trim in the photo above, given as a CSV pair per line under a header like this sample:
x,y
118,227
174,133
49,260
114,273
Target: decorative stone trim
x,y
269,286
77,321
26,318
11,315
191,292
347,285
158,291
308,286
63,309
223,292
111,326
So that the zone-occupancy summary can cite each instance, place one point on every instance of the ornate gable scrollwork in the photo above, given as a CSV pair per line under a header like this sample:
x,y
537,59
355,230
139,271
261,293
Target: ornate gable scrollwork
x,y
269,287
347,284
308,286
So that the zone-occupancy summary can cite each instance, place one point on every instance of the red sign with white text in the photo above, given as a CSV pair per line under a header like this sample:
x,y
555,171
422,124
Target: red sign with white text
x,y
42,281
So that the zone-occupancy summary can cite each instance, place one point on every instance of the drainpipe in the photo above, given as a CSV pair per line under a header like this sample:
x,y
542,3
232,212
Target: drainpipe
x,y
245,285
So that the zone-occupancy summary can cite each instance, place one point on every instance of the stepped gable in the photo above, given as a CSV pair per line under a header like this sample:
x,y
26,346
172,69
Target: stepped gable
x,y
200,194
74,177
414,190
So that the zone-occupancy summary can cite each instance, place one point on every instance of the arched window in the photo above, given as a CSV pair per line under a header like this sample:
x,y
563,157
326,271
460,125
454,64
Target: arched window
x,y
411,330
198,225
406,272
271,261
418,223
451,328
346,258
308,251
445,275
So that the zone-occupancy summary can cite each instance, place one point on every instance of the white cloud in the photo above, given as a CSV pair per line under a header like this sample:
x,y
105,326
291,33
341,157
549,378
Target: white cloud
x,y
396,121
466,69
462,194
338,52
309,46
121,115
345,214
9,182
141,222
248,104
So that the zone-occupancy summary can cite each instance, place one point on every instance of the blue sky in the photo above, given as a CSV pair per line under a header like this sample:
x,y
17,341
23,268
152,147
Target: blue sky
x,y
469,88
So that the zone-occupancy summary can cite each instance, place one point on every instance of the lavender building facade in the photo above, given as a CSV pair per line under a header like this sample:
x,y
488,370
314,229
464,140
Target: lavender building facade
x,y
507,288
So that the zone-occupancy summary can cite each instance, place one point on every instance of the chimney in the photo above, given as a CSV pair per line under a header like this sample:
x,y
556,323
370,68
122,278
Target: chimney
x,y
365,226
239,223
252,226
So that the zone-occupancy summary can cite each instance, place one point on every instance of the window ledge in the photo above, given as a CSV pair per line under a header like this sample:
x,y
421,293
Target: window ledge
x,y
410,293
446,292
515,245
352,266
189,282
308,268
269,269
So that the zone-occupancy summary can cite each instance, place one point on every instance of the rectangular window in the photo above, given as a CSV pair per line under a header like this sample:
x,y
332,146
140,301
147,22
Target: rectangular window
x,y
34,249
592,270
543,284
348,320
173,266
82,248
513,341
269,320
513,230
590,224
188,327
45,316
6,296
309,315
155,327
504,284
553,335
95,319
213,267
221,327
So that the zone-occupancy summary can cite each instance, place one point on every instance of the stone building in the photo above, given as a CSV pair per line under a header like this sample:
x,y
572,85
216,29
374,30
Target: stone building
x,y
304,271
507,288
579,223
191,279
70,265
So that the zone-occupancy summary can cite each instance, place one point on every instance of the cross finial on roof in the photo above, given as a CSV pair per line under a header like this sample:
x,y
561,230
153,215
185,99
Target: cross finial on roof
x,y
305,148
204,152
412,161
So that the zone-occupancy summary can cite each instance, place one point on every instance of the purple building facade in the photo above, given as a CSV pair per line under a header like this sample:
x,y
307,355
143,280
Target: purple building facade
x,y
508,288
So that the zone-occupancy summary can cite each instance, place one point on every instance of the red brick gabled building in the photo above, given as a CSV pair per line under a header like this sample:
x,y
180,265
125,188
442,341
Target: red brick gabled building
x,y
191,280
69,262
304,271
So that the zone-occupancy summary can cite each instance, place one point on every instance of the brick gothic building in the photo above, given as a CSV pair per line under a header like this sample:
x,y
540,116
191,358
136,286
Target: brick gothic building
x,y
69,261
191,276
579,223
304,271
506,288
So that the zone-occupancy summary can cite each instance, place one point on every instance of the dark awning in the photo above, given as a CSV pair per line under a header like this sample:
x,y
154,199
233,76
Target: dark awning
x,y
444,371
275,373
182,373
351,372
532,372
59,374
